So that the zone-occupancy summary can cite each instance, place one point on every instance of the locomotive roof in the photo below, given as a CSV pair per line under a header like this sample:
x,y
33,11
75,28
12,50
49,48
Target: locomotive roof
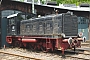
x,y
40,18
13,15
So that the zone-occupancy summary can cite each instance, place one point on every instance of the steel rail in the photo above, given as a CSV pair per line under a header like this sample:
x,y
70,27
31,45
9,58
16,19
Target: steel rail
x,y
77,57
19,55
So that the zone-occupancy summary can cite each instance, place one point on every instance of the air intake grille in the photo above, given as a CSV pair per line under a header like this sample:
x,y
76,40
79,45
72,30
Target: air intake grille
x,y
70,27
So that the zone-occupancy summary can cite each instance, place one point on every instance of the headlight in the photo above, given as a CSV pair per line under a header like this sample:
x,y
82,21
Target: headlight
x,y
84,39
80,34
63,35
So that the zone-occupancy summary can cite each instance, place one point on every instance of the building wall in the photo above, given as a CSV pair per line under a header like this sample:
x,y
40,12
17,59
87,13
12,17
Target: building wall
x,y
83,26
89,26
3,25
6,13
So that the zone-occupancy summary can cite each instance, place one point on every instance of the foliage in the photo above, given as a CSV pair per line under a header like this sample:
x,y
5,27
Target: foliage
x,y
22,0
77,2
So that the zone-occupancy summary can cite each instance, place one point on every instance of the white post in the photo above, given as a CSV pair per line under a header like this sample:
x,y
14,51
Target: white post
x,y
33,6
45,1
0,2
38,1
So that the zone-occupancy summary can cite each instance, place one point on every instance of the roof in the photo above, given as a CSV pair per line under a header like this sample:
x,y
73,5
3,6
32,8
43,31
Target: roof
x,y
74,8
77,8
13,15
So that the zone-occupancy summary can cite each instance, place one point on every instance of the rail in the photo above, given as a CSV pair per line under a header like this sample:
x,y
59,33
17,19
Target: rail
x,y
19,55
80,55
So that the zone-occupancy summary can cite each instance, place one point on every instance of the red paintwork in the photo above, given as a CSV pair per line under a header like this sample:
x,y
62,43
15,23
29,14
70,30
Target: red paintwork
x,y
42,42
65,40
9,40
29,40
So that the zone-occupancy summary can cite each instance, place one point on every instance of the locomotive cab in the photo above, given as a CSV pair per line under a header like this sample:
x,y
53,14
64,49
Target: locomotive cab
x,y
13,25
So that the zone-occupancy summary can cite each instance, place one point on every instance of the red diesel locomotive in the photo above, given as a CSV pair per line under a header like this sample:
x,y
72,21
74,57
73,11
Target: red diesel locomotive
x,y
46,33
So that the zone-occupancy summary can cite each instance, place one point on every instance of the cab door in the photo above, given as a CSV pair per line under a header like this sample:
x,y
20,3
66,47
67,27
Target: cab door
x,y
3,31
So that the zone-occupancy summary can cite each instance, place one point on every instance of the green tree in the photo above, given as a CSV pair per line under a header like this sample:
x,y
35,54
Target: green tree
x,y
22,0
77,2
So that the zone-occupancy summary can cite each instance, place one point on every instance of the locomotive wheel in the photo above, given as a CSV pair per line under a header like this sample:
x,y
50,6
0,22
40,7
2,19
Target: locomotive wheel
x,y
37,47
31,46
42,48
17,44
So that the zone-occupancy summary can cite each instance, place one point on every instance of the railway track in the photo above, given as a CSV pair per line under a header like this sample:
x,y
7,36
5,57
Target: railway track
x,y
80,55
25,53
76,58
11,56
20,54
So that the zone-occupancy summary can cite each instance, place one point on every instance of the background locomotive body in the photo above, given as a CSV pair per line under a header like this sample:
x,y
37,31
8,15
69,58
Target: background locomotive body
x,y
51,32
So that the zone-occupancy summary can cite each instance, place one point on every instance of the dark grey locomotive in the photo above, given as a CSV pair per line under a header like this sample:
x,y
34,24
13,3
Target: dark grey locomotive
x,y
51,25
46,33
